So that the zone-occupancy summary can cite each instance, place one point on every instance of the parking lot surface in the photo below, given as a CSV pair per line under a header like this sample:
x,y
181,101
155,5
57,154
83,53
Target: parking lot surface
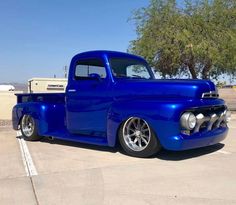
x,y
58,172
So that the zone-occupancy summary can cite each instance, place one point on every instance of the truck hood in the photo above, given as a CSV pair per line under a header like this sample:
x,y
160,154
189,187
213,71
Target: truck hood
x,y
163,88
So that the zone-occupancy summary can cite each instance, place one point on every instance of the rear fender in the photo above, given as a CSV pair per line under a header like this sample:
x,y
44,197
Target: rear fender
x,y
36,110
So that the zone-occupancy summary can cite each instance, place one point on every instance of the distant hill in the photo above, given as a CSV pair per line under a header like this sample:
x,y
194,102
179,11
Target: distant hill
x,y
20,87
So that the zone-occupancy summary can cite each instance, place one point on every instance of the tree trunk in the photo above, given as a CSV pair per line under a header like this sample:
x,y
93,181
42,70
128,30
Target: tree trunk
x,y
205,74
191,65
192,71
206,70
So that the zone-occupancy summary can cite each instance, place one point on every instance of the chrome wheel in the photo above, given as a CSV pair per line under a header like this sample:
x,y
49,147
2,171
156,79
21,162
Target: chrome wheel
x,y
136,134
27,126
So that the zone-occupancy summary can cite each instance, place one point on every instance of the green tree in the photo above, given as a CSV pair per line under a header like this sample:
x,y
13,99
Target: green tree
x,y
198,38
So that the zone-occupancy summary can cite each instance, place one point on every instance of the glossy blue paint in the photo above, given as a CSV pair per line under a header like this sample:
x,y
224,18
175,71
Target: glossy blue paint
x,y
92,110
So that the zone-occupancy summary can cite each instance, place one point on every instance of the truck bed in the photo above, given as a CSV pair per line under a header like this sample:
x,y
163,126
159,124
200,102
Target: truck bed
x,y
41,97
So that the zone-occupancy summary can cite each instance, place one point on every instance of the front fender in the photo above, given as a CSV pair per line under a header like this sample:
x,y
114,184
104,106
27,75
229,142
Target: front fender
x,y
162,115
158,114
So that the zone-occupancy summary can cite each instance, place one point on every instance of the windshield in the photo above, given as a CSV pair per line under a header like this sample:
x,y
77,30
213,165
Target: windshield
x,y
129,68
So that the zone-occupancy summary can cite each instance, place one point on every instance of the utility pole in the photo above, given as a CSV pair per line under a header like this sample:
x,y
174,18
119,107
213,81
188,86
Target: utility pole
x,y
65,71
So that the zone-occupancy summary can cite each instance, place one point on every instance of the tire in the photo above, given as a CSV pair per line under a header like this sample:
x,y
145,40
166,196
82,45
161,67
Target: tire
x,y
138,139
29,128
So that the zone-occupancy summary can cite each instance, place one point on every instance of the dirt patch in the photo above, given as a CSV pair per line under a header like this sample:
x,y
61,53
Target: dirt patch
x,y
5,123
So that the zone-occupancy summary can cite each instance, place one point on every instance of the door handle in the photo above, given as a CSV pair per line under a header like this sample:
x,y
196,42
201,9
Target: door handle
x,y
72,90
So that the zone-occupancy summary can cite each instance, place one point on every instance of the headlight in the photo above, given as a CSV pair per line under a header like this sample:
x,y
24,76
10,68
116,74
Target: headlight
x,y
227,116
188,120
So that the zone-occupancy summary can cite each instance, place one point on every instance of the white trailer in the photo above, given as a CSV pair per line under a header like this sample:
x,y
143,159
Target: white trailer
x,y
47,85
7,88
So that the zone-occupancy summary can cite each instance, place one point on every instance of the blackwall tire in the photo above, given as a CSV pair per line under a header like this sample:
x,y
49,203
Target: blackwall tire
x,y
29,128
138,139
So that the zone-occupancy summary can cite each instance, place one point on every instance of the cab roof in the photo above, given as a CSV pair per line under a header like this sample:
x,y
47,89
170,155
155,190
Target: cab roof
x,y
101,53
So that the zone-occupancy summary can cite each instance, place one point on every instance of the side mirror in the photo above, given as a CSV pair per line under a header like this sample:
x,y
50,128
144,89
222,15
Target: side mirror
x,y
95,76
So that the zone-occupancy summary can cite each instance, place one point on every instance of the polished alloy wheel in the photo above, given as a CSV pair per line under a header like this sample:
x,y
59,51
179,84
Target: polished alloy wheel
x,y
28,125
136,134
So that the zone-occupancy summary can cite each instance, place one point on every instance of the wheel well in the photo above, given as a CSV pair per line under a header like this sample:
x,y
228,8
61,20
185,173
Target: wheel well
x,y
20,119
117,143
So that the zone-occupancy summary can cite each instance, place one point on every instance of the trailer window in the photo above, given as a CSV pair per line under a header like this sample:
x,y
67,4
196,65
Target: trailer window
x,y
86,67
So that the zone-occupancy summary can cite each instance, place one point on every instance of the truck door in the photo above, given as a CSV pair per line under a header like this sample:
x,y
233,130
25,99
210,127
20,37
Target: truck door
x,y
88,98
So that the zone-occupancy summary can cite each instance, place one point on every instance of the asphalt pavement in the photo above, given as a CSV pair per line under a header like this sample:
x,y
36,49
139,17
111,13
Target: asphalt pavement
x,y
58,172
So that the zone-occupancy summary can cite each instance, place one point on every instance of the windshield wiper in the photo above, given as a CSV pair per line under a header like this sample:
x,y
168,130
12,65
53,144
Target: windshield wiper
x,y
129,77
122,76
137,76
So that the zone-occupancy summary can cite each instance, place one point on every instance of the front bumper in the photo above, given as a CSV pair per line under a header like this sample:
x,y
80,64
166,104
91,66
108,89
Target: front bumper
x,y
201,139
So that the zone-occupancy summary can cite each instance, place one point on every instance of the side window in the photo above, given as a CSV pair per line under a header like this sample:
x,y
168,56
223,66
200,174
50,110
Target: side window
x,y
90,66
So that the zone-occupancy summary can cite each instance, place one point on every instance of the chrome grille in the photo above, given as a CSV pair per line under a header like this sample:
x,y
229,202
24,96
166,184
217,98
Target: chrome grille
x,y
208,123
208,118
211,94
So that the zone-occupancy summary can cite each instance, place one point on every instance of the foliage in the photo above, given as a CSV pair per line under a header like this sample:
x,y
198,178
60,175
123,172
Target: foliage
x,y
197,38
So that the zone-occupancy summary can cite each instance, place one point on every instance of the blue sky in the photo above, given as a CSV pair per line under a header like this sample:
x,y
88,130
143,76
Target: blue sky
x,y
37,38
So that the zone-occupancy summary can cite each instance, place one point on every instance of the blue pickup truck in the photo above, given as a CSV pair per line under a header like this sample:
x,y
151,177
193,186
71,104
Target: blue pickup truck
x,y
113,97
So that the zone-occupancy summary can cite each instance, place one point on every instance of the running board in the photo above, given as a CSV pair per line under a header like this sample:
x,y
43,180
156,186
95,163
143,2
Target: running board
x,y
64,135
